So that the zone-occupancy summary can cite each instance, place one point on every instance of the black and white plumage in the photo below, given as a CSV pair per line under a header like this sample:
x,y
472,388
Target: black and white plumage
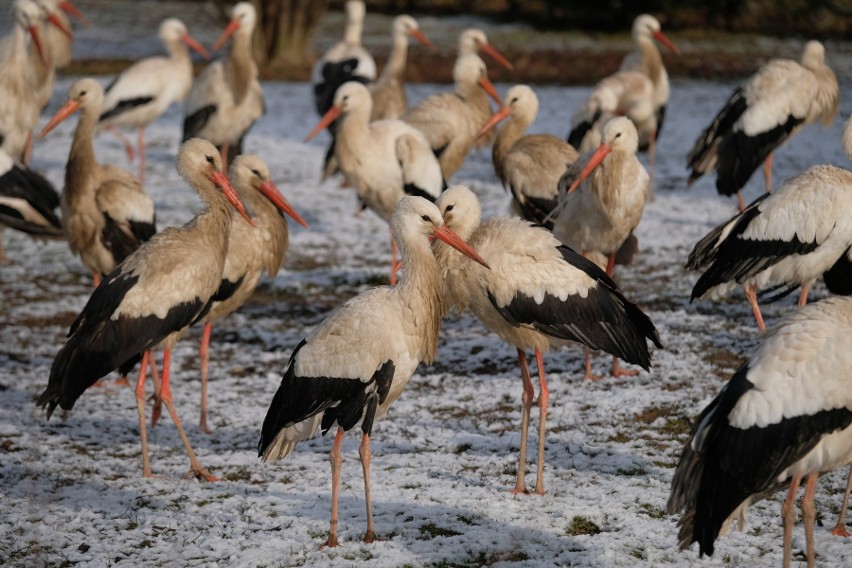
x,y
152,297
781,98
353,366
785,415
537,294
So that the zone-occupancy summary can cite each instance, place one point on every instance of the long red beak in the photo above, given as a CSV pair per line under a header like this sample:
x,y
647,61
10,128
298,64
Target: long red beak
x,y
496,56
71,10
495,119
64,112
661,37
594,161
459,244
195,46
274,195
421,37
233,26
57,23
37,42
231,195
489,88
329,117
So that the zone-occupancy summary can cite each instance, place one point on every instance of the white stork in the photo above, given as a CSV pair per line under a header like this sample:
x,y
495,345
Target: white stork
x,y
226,98
152,298
353,366
782,240
529,166
785,416
538,294
776,102
105,210
144,91
59,38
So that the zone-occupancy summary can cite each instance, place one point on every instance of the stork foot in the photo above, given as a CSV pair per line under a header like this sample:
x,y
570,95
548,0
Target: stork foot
x,y
205,428
371,537
624,372
840,531
201,474
590,377
156,410
119,382
331,542
520,490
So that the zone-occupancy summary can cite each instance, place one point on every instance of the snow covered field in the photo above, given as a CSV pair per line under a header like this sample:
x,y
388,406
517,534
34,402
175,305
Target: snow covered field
x,y
445,457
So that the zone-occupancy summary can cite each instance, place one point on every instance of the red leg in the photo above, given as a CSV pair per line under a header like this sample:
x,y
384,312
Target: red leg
x,y
224,154
589,375
751,295
840,528
543,397
157,409
788,514
803,297
364,452
128,147
140,407
527,398
336,459
96,278
809,514
740,201
610,264
617,371
767,172
394,265
140,142
203,354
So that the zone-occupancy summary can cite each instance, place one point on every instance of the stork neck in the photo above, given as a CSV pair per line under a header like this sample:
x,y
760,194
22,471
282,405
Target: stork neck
x,y
239,67
352,32
179,52
395,67
652,60
422,286
214,223
508,134
81,158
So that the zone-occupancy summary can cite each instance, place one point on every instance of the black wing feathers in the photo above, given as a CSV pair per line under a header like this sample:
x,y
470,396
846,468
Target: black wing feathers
x,y
194,123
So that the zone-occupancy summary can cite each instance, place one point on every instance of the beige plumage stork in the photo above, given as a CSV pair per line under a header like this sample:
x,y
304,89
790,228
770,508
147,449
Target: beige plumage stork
x,y
775,103
528,165
59,39
356,363
144,91
450,120
473,41
537,295
226,98
152,298
388,91
605,198
252,250
105,210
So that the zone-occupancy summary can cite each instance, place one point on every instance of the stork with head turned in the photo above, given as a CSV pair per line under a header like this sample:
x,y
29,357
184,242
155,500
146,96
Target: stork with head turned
x,y
152,298
783,418
356,363
782,240
774,104
59,37
226,98
144,91
530,165
105,210
538,294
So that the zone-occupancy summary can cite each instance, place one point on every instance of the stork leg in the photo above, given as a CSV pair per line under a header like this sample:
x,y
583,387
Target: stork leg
x,y
140,407
203,355
157,397
140,142
336,458
526,398
195,465
788,514
394,265
610,264
767,172
364,452
751,295
809,514
617,371
543,397
740,201
840,528
224,153
96,278
589,375
128,147
803,297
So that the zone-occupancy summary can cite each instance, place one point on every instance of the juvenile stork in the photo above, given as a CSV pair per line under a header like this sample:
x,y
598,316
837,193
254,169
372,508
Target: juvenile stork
x,y
152,298
353,366
226,98
530,165
105,210
538,294
776,102
145,90
782,240
785,416
252,250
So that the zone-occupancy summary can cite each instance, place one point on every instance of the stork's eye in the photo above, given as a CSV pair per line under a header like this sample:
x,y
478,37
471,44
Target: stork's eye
x,y
83,93
449,208
426,218
257,173
210,160
618,135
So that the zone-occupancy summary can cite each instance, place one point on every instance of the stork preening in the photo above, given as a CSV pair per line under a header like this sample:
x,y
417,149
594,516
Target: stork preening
x,y
776,102
59,37
784,417
356,363
144,91
226,98
530,165
152,298
537,294
782,240
105,210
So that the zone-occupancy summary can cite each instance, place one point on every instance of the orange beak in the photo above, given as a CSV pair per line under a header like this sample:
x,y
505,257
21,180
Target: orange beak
x,y
71,10
660,37
221,180
329,117
57,23
195,46
37,42
419,36
496,56
233,26
455,241
594,161
64,112
274,195
489,88
495,119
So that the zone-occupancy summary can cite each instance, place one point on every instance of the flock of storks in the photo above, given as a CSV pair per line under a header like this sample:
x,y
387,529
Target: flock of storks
x,y
539,279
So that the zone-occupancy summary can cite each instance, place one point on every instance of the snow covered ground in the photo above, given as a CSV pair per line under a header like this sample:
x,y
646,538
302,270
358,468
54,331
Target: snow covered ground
x,y
445,457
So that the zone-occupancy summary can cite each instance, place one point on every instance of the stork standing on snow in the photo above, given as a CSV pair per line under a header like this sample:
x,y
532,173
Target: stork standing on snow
x,y
782,240
785,416
145,90
353,366
538,294
781,98
226,98
152,298
105,210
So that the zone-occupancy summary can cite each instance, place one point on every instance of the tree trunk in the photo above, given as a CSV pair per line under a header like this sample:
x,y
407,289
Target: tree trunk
x,y
286,29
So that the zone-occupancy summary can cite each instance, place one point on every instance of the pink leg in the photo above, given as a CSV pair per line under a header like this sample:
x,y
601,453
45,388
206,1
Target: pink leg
x,y
788,514
203,354
394,265
140,407
740,201
364,452
803,297
809,514
527,398
617,371
767,172
140,142
543,397
840,528
128,147
336,459
224,154
157,409
96,279
589,375
610,264
751,295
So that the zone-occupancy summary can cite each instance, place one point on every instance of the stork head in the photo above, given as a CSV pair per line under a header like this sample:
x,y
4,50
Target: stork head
x,y
349,96
406,26
250,173
461,210
474,40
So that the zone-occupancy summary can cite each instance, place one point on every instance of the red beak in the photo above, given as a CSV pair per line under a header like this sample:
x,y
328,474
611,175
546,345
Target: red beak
x,y
37,42
233,26
57,23
421,37
221,180
489,88
660,37
495,119
594,161
64,112
497,56
458,243
274,195
329,117
71,10
195,46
